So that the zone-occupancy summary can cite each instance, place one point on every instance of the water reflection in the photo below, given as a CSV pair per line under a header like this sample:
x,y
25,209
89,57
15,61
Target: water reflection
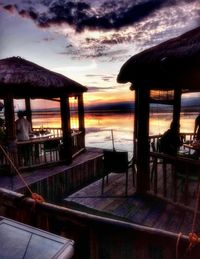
x,y
99,125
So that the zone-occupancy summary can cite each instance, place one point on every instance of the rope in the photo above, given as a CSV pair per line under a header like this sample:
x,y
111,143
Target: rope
x,y
193,237
196,209
38,198
15,168
177,245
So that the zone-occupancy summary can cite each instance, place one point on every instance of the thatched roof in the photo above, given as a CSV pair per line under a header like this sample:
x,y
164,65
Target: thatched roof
x,y
23,78
174,63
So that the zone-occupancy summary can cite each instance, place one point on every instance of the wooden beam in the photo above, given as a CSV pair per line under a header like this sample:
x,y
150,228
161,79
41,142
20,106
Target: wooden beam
x,y
142,138
177,105
135,129
66,129
167,102
9,117
28,110
10,127
81,116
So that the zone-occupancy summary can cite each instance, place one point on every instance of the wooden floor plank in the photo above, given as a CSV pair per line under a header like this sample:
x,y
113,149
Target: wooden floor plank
x,y
177,217
14,183
154,214
146,210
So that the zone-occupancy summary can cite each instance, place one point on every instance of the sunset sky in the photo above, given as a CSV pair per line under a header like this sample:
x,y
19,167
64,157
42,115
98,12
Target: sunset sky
x,y
90,40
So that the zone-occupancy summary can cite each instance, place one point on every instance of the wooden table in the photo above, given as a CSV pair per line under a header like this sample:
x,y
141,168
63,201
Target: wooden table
x,y
195,147
31,150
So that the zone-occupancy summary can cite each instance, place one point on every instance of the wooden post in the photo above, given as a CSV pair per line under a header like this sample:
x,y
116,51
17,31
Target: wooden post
x,y
142,138
81,117
177,105
135,130
28,110
66,128
9,117
10,127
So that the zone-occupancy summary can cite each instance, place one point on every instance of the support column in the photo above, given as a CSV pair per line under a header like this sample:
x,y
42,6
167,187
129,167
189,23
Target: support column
x,y
142,138
10,128
177,105
135,129
28,110
81,118
66,129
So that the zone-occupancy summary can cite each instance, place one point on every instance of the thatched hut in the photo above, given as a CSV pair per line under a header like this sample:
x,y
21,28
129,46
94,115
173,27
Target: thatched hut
x,y
170,66
22,79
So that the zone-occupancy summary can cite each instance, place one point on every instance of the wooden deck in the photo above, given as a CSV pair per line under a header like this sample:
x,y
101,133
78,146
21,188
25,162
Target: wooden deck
x,y
145,210
13,182
99,223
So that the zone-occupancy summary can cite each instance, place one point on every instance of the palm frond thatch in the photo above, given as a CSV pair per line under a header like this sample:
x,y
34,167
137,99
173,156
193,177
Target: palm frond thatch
x,y
22,77
174,63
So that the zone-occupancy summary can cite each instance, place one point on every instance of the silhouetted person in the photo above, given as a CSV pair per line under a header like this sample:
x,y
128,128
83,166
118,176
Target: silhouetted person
x,y
23,127
197,128
170,142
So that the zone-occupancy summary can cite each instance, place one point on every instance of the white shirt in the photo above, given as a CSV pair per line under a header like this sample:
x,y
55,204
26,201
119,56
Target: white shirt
x,y
23,128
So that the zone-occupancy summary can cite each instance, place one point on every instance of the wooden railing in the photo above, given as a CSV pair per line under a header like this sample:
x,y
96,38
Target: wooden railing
x,y
154,140
45,148
78,138
174,178
96,236
38,151
58,186
42,150
78,145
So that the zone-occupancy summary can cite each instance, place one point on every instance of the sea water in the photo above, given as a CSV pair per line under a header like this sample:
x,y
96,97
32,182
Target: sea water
x,y
99,125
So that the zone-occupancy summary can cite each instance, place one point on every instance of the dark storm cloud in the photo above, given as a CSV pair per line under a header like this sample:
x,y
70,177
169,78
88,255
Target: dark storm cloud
x,y
103,77
48,39
10,8
97,48
99,89
85,15
154,21
30,12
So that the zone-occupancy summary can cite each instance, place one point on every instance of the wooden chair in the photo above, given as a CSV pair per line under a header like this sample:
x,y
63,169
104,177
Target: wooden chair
x,y
116,162
155,148
187,171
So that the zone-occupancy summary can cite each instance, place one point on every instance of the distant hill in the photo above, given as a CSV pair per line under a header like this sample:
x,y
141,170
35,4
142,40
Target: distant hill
x,y
191,104
188,105
113,107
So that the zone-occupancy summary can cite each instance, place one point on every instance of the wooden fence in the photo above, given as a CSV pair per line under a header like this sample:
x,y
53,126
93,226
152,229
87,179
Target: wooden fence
x,y
175,178
96,237
41,150
56,187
